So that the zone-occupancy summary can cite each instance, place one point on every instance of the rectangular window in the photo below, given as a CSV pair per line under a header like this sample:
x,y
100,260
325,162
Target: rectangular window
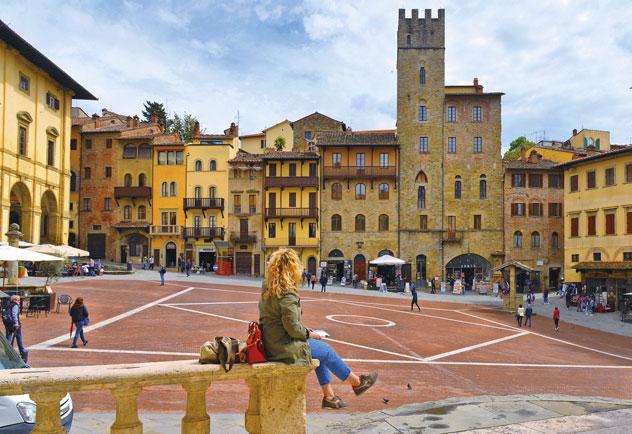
x,y
423,222
421,197
574,183
423,145
518,180
271,230
108,143
312,230
237,203
610,176
610,224
73,144
628,172
87,205
360,160
336,159
383,160
575,258
517,209
292,170
478,145
555,210
88,144
423,113
50,153
574,226
535,209
71,206
96,227
162,158
597,256
591,179
179,157
591,229
87,173
71,224
476,113
556,181
272,170
52,101
627,256
292,200
477,222
262,144
107,204
308,136
252,203
535,180
25,83
108,172
313,169
451,145
628,222
22,140
451,114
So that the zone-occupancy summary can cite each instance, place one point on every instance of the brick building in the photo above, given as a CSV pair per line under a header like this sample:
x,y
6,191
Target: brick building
x,y
305,130
533,221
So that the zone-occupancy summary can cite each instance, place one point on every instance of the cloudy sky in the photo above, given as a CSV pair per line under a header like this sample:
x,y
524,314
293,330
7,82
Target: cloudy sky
x,y
563,64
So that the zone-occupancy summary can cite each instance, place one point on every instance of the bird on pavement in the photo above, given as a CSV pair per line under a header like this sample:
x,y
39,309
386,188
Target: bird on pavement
x,y
385,401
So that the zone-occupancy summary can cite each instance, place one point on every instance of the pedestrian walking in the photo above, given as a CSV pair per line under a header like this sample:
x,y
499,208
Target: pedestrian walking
x,y
303,278
13,325
527,315
314,279
162,271
413,291
151,262
569,298
564,289
180,267
545,296
433,289
188,267
520,315
79,314
323,282
556,318
354,280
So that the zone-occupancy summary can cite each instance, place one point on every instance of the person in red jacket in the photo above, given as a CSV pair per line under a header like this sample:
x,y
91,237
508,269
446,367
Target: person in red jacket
x,y
556,318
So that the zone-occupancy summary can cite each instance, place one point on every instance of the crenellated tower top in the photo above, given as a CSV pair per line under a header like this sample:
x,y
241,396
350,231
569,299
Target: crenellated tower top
x,y
426,32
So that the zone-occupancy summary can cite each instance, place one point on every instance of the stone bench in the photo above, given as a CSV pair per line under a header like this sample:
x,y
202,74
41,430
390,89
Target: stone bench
x,y
276,402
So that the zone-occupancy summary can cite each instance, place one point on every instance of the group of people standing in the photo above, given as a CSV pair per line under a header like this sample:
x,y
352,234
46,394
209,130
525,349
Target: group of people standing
x,y
525,315
310,279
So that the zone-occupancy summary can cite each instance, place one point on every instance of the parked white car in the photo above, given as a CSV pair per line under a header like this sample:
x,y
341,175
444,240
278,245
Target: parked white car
x,y
17,412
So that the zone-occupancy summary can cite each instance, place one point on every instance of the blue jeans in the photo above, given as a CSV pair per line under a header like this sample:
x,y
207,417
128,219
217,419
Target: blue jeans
x,y
18,337
329,362
78,333
162,279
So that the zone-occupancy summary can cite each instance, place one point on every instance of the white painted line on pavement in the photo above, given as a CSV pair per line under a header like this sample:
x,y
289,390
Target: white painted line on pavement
x,y
207,314
203,303
474,347
491,364
109,321
373,349
99,350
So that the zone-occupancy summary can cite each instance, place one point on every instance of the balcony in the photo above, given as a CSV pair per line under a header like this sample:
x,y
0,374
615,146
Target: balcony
x,y
203,203
132,192
291,213
452,236
270,408
355,172
238,237
165,230
291,181
207,233
291,242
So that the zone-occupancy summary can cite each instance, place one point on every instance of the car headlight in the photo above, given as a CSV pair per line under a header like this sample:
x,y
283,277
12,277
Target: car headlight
x,y
27,411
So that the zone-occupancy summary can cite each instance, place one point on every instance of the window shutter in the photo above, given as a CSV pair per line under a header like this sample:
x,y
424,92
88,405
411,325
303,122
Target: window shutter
x,y
585,142
597,141
629,222
610,224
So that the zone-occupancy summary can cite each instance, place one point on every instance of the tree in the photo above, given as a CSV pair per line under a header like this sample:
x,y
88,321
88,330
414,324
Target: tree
x,y
50,269
516,146
183,125
157,108
279,143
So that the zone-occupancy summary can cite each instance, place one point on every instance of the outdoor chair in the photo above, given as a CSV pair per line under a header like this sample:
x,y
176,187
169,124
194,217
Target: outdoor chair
x,y
64,299
38,304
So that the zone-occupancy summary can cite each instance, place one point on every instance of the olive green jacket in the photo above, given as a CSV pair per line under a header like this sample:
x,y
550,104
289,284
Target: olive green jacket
x,y
284,335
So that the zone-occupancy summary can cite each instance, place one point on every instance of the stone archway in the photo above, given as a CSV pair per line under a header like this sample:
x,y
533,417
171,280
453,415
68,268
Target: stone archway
x,y
49,219
21,210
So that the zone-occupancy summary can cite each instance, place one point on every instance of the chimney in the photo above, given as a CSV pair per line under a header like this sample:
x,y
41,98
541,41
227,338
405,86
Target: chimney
x,y
475,82
574,131
153,118
533,156
136,121
97,120
523,153
479,88
233,131
196,129
129,122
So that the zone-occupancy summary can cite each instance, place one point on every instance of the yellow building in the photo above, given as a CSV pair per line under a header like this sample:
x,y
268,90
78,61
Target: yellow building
x,y
253,143
587,138
291,210
580,144
206,189
598,223
282,129
35,132
169,179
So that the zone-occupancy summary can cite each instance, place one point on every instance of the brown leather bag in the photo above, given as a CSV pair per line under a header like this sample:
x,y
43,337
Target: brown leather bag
x,y
222,350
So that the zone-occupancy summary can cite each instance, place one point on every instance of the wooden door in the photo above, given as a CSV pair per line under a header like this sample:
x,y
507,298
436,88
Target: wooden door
x,y
96,246
291,229
243,261
359,266
271,204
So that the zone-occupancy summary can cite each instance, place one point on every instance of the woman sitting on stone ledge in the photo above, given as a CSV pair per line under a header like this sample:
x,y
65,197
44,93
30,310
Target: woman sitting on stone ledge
x,y
287,340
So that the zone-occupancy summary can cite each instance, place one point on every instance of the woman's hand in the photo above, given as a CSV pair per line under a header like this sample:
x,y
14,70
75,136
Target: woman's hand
x,y
314,335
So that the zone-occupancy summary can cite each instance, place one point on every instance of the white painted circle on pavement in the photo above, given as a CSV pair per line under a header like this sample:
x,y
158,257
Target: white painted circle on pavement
x,y
386,323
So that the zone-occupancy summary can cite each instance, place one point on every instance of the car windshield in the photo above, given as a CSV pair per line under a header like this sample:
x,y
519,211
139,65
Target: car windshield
x,y
9,359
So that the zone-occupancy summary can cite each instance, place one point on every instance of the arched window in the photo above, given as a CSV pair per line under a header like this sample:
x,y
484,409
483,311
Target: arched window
x,y
360,191
482,187
409,40
212,192
336,191
73,180
422,76
197,192
535,240
421,197
198,165
144,152
127,180
555,240
142,212
130,151
457,187
383,191
421,177
164,191
336,223
383,223
127,212
360,223
517,239
212,165
142,180
172,189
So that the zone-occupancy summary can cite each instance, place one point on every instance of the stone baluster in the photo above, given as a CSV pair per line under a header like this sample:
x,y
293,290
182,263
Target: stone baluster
x,y
127,421
47,418
196,420
277,404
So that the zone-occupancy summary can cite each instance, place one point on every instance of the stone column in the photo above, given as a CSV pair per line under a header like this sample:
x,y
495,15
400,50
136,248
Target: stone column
x,y
127,421
13,237
512,288
196,420
47,419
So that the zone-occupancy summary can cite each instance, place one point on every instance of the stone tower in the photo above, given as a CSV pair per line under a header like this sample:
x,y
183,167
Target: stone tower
x,y
421,83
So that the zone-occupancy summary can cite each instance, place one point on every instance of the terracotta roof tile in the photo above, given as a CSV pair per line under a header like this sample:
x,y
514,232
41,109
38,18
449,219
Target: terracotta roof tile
x,y
364,138
290,155
245,157
525,164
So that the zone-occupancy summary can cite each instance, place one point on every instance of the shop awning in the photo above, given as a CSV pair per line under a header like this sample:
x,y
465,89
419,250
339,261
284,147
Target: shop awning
x,y
515,264
387,260
604,266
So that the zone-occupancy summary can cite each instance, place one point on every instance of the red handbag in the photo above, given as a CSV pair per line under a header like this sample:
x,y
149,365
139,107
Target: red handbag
x,y
255,353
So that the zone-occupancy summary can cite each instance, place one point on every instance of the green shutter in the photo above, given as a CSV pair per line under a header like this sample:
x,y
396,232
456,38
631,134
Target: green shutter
x,y
585,143
597,144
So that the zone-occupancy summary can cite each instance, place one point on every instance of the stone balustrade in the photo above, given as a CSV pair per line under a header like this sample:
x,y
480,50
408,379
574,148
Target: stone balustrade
x,y
276,401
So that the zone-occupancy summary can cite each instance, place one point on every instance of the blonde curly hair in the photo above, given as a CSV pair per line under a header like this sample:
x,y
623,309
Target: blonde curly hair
x,y
283,273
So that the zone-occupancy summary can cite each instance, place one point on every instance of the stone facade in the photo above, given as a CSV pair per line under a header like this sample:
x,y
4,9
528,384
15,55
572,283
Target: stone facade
x,y
312,124
436,226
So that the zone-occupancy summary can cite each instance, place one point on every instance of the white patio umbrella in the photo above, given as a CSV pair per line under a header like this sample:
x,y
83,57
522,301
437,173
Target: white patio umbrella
x,y
8,254
47,249
72,252
387,260
21,245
